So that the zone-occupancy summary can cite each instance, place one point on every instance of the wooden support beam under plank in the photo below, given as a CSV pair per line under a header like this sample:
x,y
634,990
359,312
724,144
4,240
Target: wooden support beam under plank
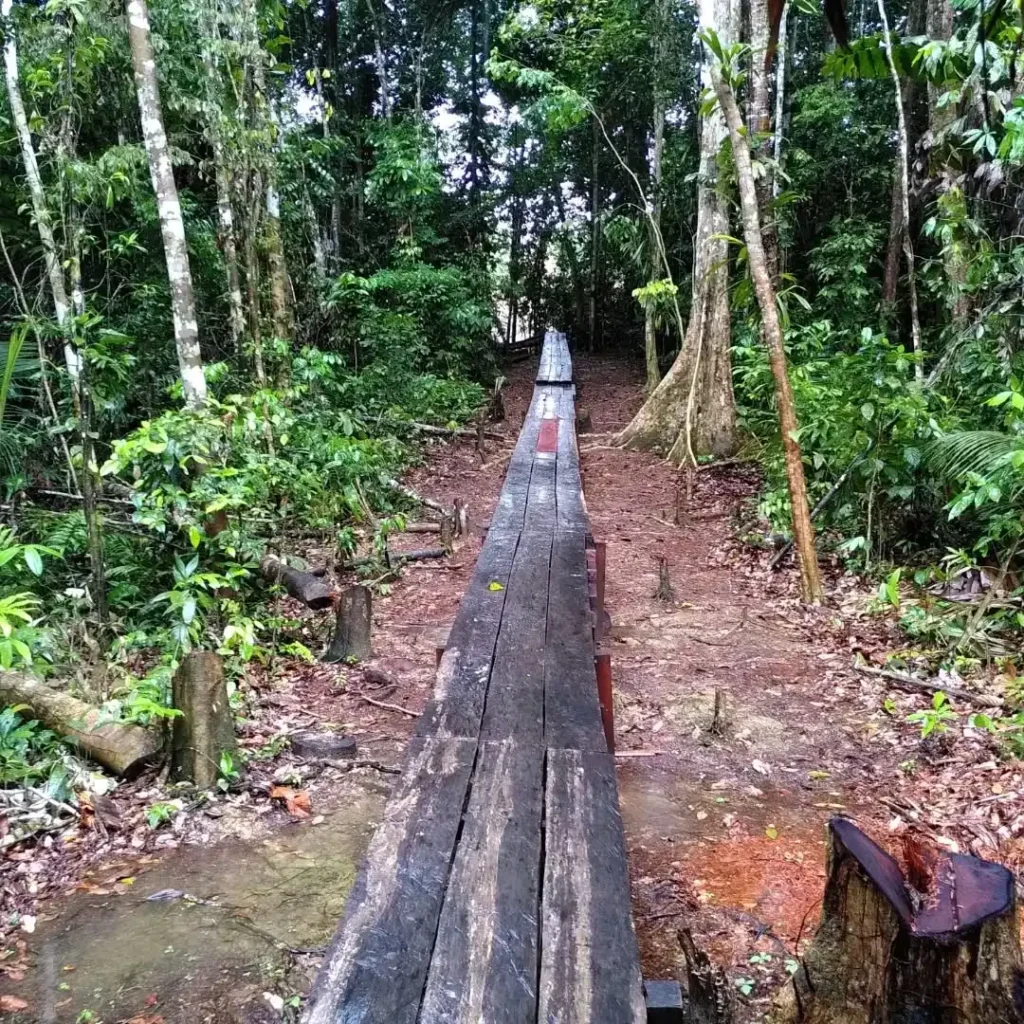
x,y
590,965
484,966
376,967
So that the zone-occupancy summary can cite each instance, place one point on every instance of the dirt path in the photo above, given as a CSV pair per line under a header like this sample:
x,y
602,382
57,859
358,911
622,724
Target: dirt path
x,y
724,816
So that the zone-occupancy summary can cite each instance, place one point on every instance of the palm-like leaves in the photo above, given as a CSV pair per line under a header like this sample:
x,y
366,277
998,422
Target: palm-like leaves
x,y
981,452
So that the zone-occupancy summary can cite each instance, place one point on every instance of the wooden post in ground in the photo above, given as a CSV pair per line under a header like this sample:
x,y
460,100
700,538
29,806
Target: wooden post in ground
x,y
205,729
351,640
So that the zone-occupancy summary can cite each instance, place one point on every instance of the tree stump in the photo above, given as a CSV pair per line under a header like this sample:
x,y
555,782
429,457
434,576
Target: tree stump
x,y
205,729
664,593
943,950
709,998
351,640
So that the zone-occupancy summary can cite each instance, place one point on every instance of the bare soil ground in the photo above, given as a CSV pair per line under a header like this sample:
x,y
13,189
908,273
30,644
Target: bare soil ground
x,y
724,813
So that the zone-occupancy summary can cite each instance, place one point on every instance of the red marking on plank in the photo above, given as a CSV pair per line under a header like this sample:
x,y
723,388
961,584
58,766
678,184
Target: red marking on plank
x,y
547,440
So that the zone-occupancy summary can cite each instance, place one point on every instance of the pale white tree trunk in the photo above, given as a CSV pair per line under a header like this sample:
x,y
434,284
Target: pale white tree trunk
x,y
780,99
172,226
41,212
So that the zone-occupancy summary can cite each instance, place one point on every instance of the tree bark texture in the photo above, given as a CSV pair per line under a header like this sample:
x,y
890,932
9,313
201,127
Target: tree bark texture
x,y
205,728
172,226
303,586
803,530
939,947
692,412
595,234
119,746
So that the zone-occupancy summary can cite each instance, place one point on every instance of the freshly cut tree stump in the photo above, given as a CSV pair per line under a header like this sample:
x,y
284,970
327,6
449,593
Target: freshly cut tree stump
x,y
352,629
942,948
121,747
205,729
303,586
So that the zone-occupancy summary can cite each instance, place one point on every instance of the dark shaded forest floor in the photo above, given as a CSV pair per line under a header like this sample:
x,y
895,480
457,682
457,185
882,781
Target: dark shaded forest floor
x,y
725,824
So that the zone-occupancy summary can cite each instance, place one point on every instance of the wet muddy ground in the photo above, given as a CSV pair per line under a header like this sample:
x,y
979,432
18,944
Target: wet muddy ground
x,y
741,729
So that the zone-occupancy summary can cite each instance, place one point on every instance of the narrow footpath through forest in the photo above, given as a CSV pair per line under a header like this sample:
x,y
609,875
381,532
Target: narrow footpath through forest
x,y
741,724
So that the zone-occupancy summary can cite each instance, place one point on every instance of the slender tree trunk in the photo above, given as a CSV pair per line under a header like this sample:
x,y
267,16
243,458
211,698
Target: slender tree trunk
x,y
382,63
759,126
780,98
87,479
579,287
894,247
172,226
803,530
40,210
595,235
692,412
944,166
280,300
655,272
225,213
904,189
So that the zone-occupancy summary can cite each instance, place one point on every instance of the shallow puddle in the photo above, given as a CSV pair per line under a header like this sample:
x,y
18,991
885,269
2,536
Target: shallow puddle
x,y
207,956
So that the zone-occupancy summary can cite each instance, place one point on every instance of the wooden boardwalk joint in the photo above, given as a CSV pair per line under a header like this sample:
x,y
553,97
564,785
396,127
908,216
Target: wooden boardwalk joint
x,y
496,890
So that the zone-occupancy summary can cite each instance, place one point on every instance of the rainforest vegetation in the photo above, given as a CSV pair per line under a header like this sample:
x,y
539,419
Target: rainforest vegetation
x,y
248,247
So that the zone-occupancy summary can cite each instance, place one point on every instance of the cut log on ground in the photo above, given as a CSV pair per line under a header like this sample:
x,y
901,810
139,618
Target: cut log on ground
x,y
205,729
303,586
941,947
422,527
351,640
119,746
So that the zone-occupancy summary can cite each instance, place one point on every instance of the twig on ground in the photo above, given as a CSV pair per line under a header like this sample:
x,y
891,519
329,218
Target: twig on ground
x,y
906,681
385,705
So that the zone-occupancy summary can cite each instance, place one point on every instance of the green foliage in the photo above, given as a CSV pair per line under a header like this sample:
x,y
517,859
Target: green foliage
x,y
29,753
935,719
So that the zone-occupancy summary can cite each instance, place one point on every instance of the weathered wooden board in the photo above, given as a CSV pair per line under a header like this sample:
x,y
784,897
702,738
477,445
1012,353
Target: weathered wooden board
x,y
462,677
484,967
515,698
569,499
572,712
541,503
376,967
590,966
555,362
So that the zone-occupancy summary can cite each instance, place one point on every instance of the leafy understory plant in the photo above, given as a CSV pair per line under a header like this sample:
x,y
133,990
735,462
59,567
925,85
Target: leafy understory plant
x,y
935,719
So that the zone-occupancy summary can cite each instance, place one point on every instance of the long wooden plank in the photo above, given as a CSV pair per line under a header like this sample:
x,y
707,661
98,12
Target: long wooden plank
x,y
569,499
462,677
376,967
515,697
484,967
572,712
590,966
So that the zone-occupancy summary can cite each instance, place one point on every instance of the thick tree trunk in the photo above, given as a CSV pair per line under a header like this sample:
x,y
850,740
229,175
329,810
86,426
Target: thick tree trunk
x,y
655,272
40,210
124,749
803,529
894,247
205,729
940,947
172,226
692,412
903,163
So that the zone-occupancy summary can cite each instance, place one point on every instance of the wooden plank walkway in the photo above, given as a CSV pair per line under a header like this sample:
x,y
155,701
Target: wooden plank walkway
x,y
495,891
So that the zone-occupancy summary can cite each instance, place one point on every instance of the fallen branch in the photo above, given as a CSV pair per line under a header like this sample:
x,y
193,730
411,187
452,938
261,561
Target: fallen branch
x,y
427,428
908,682
122,747
303,586
414,496
422,527
396,559
386,705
